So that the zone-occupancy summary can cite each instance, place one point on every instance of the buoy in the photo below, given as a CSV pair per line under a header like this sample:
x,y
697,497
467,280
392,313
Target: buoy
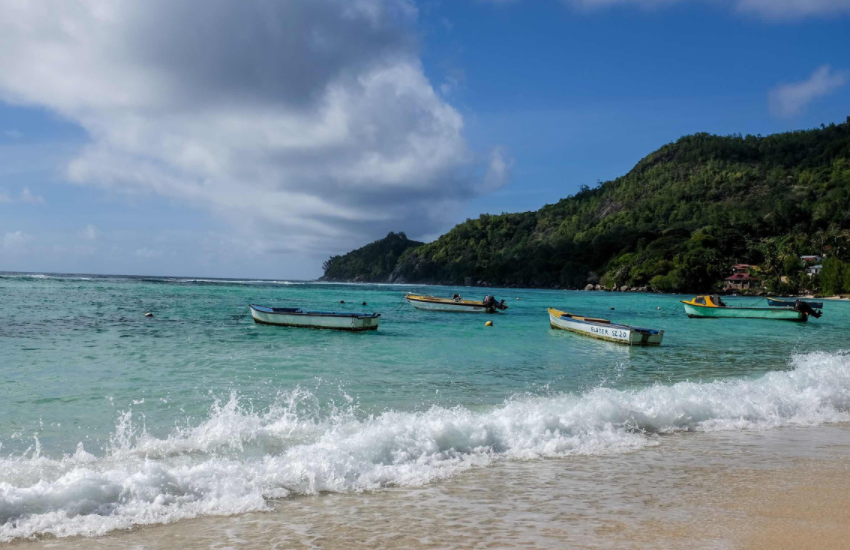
x,y
149,314
488,324
517,298
659,307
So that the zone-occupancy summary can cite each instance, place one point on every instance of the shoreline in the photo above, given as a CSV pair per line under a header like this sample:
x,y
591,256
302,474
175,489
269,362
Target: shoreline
x,y
780,489
180,279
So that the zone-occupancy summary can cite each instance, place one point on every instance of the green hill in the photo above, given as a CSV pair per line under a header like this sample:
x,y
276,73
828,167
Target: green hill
x,y
676,222
371,263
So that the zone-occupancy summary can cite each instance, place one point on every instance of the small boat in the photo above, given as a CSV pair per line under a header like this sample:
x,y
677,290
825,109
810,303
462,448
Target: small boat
x,y
715,307
295,317
456,304
604,329
773,302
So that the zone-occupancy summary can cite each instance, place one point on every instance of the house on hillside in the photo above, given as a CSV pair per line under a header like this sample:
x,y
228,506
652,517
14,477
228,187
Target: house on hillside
x,y
740,278
814,264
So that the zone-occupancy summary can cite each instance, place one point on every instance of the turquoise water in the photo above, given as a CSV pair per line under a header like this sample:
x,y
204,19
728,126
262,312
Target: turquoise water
x,y
110,419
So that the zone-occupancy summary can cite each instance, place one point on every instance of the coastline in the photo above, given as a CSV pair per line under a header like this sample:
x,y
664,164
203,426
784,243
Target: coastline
x,y
780,489
837,298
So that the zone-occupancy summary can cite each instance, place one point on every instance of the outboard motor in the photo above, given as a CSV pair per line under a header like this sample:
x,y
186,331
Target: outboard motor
x,y
806,309
490,301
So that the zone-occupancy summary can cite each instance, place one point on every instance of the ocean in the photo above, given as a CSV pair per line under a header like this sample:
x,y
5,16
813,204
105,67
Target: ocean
x,y
111,420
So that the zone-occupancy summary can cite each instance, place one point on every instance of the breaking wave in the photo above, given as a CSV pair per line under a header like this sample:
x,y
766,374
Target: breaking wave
x,y
237,460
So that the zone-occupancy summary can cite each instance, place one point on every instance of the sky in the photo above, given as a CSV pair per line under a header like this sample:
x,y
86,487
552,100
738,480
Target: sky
x,y
223,138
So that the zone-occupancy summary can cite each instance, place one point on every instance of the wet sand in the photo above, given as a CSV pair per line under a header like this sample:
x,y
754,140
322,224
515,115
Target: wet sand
x,y
777,489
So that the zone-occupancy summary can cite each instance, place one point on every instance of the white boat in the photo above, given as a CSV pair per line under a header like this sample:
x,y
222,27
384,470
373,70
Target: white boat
x,y
295,317
456,304
604,329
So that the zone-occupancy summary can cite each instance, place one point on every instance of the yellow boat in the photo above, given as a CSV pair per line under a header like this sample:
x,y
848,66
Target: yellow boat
x,y
713,307
456,304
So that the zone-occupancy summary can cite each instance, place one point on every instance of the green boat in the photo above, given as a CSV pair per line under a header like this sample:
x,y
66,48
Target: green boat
x,y
713,307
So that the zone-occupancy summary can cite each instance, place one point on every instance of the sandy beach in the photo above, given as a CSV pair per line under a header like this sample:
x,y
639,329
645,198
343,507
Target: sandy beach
x,y
778,489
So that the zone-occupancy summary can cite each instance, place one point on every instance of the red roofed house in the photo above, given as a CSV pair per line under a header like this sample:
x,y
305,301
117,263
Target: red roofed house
x,y
741,278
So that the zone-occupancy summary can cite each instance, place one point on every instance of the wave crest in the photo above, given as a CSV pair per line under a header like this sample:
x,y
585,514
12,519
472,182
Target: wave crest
x,y
237,459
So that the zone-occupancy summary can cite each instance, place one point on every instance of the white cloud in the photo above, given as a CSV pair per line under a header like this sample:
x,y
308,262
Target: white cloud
x,y
788,100
147,253
29,198
16,241
605,3
4,198
790,9
308,123
13,134
768,9
90,233
498,170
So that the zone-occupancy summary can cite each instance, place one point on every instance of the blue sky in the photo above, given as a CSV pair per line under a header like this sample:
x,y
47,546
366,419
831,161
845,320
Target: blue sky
x,y
300,131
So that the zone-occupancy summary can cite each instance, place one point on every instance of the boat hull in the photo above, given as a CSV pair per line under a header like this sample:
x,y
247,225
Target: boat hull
x,y
448,305
611,332
773,302
774,313
317,320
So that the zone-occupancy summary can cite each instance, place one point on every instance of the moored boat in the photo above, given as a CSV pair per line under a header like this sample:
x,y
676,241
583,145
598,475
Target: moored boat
x,y
295,317
456,304
603,329
775,302
712,307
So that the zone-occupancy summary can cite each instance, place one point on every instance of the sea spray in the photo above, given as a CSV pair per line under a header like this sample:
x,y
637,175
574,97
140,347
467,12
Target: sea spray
x,y
238,459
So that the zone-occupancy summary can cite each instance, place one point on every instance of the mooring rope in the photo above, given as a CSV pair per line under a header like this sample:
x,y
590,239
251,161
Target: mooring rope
x,y
400,305
244,313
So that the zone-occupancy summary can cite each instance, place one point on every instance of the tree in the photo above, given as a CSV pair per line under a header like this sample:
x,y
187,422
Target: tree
x,y
833,276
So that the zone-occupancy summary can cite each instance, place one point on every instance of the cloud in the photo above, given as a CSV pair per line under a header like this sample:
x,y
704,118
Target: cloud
x,y
499,169
790,9
147,253
788,100
309,124
26,196
768,9
90,233
590,4
13,134
29,198
16,241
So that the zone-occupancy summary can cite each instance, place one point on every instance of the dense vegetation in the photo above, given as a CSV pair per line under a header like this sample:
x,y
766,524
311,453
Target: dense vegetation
x,y
371,263
835,277
678,221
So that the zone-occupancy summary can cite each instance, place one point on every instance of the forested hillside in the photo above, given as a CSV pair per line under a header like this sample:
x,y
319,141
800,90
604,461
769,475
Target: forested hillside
x,y
371,263
676,222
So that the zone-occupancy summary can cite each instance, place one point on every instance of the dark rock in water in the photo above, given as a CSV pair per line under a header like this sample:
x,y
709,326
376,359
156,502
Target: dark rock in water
x,y
364,303
342,301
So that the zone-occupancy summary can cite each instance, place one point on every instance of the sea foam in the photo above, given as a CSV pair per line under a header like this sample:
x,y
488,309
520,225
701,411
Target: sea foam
x,y
237,460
